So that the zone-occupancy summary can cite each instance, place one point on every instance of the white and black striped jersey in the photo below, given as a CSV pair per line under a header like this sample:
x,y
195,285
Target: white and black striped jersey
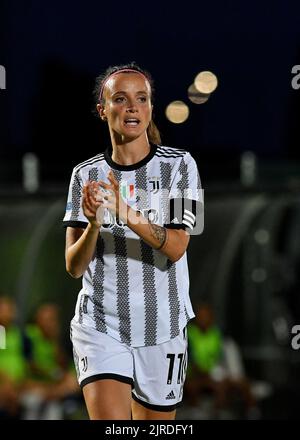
x,y
131,291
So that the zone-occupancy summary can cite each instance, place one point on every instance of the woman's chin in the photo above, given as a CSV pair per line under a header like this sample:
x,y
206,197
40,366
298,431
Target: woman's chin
x,y
130,137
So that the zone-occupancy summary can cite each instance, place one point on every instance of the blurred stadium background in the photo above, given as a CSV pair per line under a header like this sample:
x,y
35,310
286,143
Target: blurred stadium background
x,y
245,139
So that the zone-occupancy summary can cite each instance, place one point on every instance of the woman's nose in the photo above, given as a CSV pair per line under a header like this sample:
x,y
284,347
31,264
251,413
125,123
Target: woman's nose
x,y
131,107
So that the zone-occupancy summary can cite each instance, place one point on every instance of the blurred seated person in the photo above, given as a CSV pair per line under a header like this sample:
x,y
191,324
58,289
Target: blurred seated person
x,y
211,366
48,362
51,374
13,365
205,349
34,372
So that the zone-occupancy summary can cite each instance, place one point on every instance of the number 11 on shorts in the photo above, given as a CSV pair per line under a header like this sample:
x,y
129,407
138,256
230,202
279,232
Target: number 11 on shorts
x,y
171,357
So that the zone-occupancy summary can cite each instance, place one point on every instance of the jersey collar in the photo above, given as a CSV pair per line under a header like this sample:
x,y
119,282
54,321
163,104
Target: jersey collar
x,y
135,166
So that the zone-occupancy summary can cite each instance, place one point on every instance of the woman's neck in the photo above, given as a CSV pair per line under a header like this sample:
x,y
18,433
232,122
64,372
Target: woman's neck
x,y
131,152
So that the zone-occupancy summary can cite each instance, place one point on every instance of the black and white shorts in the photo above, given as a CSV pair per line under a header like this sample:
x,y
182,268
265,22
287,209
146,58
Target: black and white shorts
x,y
156,373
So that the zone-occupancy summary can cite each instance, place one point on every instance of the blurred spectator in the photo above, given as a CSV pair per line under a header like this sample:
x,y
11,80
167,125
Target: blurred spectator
x,y
13,366
48,361
52,376
214,366
36,379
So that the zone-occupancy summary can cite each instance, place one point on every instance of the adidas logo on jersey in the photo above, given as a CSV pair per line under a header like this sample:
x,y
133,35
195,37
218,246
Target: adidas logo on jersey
x,y
171,395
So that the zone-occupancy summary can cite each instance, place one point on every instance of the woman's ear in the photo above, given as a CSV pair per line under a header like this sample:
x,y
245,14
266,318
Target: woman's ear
x,y
101,111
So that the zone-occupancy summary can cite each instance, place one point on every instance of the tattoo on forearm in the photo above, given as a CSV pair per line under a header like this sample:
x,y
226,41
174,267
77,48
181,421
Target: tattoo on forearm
x,y
159,233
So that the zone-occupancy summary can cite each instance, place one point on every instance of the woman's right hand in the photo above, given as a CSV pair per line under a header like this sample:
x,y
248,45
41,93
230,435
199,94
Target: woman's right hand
x,y
92,204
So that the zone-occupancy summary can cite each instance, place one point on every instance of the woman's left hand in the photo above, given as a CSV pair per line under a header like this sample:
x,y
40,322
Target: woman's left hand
x,y
113,200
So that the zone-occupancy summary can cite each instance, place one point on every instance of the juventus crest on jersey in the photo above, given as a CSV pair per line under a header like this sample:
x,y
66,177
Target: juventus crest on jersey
x,y
131,291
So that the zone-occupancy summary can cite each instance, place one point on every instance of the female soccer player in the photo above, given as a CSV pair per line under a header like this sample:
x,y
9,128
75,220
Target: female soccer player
x,y
129,217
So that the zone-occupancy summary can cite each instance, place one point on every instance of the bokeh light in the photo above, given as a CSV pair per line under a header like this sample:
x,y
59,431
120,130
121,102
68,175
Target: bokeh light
x,y
177,112
197,97
206,82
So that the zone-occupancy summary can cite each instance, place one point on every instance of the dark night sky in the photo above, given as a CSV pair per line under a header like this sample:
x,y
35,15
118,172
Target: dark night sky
x,y
52,51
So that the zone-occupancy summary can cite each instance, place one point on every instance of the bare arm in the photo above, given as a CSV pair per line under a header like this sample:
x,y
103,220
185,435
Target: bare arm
x,y
80,248
81,243
171,242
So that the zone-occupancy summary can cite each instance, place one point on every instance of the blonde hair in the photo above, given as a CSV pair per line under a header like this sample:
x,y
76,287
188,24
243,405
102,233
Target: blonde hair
x,y
153,133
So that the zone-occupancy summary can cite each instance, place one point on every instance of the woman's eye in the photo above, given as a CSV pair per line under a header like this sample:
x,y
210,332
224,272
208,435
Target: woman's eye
x,y
142,99
120,99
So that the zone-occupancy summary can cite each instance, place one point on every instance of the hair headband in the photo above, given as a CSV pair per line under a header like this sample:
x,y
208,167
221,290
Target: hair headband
x,y
115,73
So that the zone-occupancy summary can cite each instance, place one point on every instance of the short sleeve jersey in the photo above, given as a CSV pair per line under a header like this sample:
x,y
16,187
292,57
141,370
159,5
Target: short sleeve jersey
x,y
131,291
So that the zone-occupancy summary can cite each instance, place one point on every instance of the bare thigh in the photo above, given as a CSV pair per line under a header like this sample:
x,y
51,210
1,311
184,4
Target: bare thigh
x,y
139,412
108,399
